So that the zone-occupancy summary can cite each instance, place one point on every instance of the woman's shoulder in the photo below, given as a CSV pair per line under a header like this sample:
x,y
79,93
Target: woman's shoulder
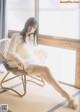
x,y
16,36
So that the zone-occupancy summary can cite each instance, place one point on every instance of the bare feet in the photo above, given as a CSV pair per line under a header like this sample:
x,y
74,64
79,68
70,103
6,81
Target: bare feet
x,y
73,104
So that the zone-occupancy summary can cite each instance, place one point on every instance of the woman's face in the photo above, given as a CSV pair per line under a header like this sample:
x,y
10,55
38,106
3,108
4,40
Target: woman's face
x,y
31,29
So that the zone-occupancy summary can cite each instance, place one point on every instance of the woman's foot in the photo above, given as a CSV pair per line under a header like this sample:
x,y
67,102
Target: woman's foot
x,y
73,104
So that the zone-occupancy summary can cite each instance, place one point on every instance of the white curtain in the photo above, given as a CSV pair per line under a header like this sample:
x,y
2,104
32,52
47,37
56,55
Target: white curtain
x,y
3,31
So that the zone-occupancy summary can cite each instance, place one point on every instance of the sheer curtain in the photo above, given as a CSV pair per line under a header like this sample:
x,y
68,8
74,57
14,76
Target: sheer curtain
x,y
3,31
18,11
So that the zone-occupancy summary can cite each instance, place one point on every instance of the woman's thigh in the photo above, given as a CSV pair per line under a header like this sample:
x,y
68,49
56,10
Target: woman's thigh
x,y
36,70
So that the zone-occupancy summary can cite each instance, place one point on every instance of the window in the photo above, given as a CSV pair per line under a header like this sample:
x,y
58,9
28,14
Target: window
x,y
60,22
59,19
18,12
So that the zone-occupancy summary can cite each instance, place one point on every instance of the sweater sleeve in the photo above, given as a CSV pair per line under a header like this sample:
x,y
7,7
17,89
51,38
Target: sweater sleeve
x,y
11,54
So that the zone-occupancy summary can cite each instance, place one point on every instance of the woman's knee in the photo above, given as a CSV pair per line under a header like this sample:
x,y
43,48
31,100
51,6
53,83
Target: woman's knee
x,y
42,69
46,69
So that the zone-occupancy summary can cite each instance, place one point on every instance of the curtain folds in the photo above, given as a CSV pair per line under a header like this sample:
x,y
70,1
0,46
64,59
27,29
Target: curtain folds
x,y
3,31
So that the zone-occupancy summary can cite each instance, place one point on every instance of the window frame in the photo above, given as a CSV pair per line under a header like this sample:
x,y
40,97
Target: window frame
x,y
59,42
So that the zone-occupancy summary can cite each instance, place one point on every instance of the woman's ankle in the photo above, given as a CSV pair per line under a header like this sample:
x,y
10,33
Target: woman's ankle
x,y
73,104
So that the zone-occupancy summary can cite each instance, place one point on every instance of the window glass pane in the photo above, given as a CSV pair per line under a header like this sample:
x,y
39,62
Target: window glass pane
x,y
62,62
18,12
59,19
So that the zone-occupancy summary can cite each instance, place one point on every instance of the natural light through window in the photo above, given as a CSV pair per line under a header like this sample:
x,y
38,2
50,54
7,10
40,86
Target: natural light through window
x,y
59,19
62,62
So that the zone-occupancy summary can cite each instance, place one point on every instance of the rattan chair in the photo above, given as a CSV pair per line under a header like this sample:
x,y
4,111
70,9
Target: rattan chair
x,y
4,43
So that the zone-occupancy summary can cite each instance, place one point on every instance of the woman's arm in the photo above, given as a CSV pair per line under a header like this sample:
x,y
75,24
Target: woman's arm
x,y
11,54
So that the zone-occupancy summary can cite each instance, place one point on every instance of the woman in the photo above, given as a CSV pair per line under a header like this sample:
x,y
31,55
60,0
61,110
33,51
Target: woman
x,y
21,55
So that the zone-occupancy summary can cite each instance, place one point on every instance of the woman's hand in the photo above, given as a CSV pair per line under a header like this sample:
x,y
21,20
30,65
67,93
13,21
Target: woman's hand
x,y
21,64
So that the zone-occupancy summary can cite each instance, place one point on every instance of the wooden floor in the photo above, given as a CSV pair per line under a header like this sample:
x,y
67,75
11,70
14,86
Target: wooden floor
x,y
37,99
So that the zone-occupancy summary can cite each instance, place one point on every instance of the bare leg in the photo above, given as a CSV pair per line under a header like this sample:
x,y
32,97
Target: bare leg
x,y
46,74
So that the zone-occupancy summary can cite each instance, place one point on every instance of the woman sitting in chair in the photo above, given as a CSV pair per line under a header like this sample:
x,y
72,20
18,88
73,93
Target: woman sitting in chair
x,y
21,55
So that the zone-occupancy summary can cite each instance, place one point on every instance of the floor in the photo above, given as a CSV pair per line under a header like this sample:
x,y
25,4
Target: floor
x,y
37,99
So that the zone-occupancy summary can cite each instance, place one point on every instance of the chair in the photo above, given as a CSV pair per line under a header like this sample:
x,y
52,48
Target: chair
x,y
4,43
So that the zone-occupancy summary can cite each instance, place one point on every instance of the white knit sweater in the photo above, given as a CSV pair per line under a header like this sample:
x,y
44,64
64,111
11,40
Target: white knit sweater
x,y
18,50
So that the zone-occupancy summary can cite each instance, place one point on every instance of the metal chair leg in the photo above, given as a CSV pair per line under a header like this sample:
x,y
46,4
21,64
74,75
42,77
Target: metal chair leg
x,y
38,83
6,88
24,83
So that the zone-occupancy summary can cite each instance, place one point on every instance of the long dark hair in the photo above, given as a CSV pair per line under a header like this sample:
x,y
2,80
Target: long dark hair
x,y
30,22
